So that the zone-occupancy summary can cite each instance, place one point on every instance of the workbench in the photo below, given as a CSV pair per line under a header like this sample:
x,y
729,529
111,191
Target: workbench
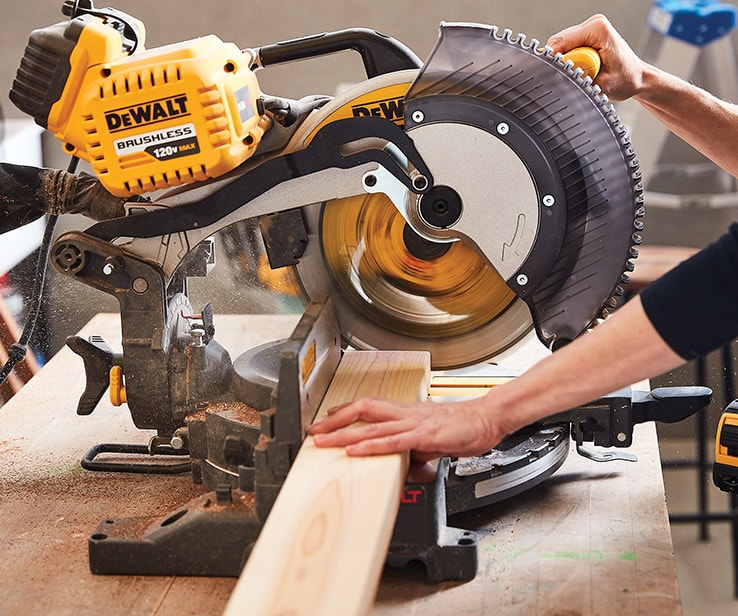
x,y
593,539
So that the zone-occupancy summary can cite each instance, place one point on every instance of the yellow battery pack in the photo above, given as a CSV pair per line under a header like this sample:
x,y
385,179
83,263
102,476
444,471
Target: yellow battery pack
x,y
725,468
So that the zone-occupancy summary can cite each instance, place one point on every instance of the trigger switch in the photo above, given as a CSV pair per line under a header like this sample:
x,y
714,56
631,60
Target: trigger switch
x,y
98,358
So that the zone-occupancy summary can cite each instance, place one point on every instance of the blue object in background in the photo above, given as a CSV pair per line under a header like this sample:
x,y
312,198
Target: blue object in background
x,y
697,23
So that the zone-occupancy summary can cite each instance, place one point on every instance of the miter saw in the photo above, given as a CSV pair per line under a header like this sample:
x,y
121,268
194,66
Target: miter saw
x,y
451,205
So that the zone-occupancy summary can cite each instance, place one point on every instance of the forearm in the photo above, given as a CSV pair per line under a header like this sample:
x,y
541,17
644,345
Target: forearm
x,y
704,121
623,350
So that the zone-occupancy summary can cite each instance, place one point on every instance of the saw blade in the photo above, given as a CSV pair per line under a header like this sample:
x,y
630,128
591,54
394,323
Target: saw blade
x,y
533,173
392,288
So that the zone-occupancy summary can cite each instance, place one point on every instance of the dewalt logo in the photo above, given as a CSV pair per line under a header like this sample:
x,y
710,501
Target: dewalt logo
x,y
147,113
388,108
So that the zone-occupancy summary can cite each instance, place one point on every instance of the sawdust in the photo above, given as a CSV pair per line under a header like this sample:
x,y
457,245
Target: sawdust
x,y
164,493
11,446
242,500
237,411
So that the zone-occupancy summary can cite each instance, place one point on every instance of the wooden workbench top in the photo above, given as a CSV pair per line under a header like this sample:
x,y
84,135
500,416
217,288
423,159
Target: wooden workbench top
x,y
594,539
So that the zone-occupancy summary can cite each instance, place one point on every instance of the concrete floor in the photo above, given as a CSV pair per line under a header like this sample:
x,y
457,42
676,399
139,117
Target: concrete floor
x,y
705,568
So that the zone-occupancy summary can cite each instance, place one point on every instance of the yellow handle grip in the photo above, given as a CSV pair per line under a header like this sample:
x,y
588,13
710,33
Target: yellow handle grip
x,y
585,58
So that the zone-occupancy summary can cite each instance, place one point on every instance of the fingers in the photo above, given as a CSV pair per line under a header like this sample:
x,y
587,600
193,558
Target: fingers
x,y
592,32
621,72
350,435
429,430
366,409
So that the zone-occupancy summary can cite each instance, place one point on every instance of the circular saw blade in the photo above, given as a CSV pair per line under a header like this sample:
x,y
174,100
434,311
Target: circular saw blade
x,y
461,311
549,201
391,288
483,87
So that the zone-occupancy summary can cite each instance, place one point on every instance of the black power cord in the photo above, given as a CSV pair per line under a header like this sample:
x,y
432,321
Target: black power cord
x,y
17,351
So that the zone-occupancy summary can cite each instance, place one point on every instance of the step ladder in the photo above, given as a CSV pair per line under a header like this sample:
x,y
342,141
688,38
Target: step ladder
x,y
690,39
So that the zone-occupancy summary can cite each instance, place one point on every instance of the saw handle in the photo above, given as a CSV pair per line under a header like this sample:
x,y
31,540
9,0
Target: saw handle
x,y
379,53
585,58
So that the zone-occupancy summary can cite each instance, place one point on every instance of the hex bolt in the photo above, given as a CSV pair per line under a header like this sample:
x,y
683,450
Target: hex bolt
x,y
522,280
548,200
198,335
177,442
503,128
418,116
622,437
140,285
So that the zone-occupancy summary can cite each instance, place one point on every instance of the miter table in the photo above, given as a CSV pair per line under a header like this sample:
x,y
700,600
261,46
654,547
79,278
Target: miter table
x,y
593,539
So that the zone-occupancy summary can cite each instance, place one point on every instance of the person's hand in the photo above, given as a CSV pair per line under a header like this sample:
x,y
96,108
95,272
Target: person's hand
x,y
621,73
428,429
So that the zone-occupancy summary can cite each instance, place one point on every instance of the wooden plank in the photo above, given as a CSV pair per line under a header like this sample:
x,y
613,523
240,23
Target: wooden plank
x,y
323,546
476,381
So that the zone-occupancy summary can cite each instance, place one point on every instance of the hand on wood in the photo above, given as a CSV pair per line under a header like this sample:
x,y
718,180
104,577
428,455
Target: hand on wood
x,y
429,429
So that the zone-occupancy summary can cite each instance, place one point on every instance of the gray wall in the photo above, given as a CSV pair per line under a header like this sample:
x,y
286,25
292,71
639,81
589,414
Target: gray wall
x,y
251,24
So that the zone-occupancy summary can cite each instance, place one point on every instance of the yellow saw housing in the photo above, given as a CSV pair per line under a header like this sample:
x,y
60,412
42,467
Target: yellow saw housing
x,y
146,120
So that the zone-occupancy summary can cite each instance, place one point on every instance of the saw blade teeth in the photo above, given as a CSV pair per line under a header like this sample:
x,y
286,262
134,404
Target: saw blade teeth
x,y
557,58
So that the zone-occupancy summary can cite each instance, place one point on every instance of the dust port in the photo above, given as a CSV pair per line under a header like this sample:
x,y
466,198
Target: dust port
x,y
69,258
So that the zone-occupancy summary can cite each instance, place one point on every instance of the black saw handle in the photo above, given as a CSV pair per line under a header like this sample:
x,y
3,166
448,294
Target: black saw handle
x,y
98,359
669,404
379,53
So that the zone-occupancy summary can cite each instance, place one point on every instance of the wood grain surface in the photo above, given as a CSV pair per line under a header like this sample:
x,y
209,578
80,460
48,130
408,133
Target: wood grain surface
x,y
323,546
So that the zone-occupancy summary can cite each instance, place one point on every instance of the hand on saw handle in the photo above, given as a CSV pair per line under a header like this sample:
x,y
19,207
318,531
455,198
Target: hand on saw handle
x,y
621,70
708,124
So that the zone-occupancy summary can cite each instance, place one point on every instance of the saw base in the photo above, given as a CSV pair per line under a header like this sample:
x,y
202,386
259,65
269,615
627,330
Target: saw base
x,y
242,455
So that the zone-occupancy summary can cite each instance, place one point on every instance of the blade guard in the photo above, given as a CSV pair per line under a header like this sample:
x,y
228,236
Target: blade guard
x,y
573,255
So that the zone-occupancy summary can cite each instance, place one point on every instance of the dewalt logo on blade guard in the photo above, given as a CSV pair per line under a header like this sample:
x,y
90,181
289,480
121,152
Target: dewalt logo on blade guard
x,y
145,114
388,108
385,102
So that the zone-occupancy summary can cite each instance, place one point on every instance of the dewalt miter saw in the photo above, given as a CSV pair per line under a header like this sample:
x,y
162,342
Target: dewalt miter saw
x,y
450,206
